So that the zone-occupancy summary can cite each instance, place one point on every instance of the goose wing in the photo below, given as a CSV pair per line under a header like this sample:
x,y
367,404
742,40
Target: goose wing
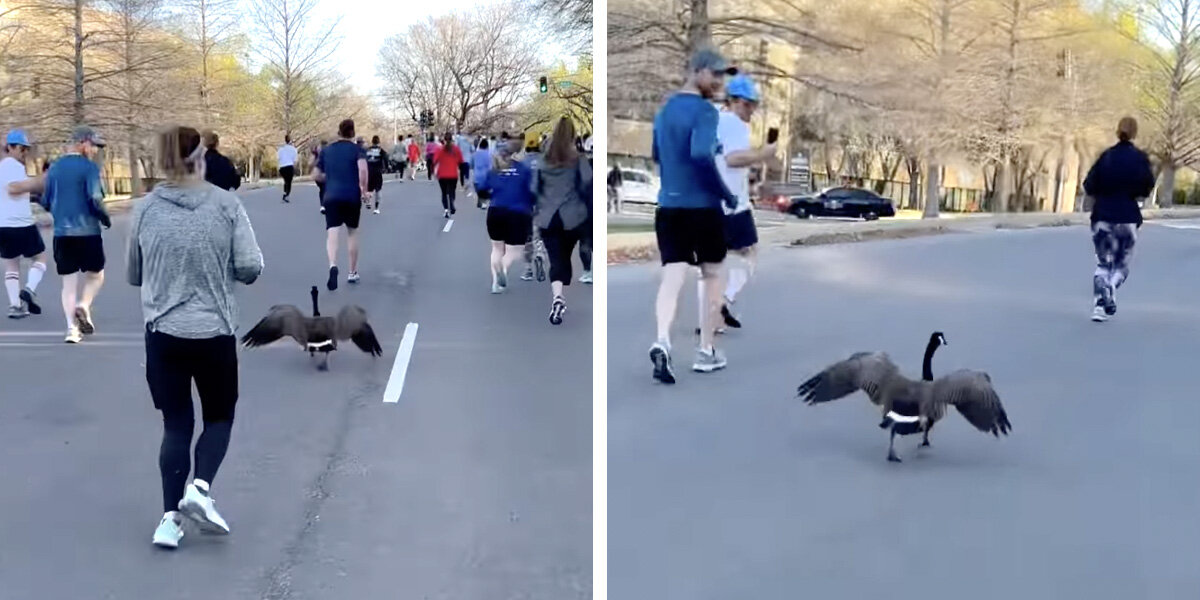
x,y
971,392
352,325
871,372
282,320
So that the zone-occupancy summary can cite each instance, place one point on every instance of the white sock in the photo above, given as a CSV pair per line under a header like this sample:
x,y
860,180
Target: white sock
x,y
36,271
201,484
172,514
737,279
12,285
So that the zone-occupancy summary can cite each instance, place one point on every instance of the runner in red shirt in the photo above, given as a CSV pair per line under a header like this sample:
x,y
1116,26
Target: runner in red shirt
x,y
414,157
446,161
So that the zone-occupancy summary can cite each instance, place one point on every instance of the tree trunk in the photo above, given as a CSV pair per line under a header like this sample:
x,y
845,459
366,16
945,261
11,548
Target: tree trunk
x,y
913,165
1003,183
699,30
1166,187
77,107
933,184
135,178
1060,175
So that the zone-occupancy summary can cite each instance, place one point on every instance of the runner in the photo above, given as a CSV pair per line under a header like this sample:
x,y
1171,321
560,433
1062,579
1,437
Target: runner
x,y
75,197
733,134
399,154
343,168
219,170
1120,176
431,148
414,157
466,149
376,158
19,235
317,150
287,165
190,242
447,160
535,250
507,182
482,160
563,184
689,223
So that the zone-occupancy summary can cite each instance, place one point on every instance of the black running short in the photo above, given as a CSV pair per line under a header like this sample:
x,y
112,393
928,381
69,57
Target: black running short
x,y
374,181
342,213
508,226
16,242
740,232
75,254
690,235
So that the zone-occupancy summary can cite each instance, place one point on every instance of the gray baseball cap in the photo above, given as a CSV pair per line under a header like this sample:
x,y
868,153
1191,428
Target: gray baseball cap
x,y
708,59
84,133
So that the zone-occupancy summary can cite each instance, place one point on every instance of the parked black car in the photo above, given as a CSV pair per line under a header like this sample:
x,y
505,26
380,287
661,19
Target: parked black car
x,y
850,202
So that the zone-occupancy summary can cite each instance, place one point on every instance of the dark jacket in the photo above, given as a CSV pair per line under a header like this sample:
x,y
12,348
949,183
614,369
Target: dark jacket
x,y
563,191
1120,176
219,171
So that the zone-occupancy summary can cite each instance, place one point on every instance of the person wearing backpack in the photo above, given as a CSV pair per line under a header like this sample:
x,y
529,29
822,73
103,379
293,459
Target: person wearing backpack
x,y
563,183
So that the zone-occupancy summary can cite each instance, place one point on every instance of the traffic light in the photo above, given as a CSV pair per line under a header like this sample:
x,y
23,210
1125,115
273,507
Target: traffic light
x,y
543,85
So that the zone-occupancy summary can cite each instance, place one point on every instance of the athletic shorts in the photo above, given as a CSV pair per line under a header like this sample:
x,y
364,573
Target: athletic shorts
x,y
75,254
342,213
690,235
508,226
375,181
740,231
16,242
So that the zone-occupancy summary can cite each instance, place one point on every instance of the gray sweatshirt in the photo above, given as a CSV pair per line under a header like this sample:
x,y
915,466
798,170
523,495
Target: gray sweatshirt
x,y
189,243
565,191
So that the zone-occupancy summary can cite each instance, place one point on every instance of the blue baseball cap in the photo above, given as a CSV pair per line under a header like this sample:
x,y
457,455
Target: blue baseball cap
x,y
708,59
742,87
17,137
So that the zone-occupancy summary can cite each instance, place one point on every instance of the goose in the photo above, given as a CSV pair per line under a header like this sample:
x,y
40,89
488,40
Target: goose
x,y
910,406
316,333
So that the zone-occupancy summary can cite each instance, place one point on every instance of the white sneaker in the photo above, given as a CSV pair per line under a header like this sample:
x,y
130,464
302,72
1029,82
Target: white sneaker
x,y
377,211
197,506
1099,315
586,277
352,277
74,336
169,531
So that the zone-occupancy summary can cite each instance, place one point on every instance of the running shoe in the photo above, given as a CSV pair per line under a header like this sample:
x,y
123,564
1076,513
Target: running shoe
x,y
169,531
496,288
322,210
17,312
30,300
376,210
446,214
718,331
661,357
557,308
528,274
197,506
586,277
352,277
452,211
83,318
730,319
333,275
73,336
708,361
539,266
285,198
502,279
1099,314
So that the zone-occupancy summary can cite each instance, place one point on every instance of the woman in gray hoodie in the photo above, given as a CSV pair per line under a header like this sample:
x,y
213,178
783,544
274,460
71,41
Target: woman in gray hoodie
x,y
190,241
563,185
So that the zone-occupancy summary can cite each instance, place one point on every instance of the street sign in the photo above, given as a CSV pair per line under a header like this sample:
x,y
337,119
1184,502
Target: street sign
x,y
799,171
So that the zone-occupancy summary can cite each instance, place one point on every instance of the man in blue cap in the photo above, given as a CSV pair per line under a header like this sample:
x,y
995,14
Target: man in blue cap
x,y
689,223
19,235
75,197
737,156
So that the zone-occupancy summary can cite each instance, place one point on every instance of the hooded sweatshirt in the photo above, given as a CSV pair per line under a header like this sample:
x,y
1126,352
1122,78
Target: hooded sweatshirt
x,y
188,244
565,191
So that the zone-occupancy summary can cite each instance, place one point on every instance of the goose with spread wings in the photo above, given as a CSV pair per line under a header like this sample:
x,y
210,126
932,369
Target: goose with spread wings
x,y
316,334
909,406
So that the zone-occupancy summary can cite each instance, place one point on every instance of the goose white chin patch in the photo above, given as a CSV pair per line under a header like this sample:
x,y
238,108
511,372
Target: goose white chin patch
x,y
899,418
319,345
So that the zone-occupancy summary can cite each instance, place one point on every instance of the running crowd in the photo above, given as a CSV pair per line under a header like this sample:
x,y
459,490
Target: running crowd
x,y
191,241
704,211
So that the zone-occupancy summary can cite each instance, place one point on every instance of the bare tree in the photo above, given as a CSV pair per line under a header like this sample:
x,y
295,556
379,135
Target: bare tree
x,y
209,26
296,51
571,19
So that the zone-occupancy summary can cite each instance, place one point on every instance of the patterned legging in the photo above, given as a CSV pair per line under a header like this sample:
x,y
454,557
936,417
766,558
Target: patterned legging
x,y
1114,247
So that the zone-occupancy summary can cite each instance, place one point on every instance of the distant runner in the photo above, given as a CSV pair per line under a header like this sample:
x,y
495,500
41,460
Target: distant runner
x,y
376,158
343,168
287,165
19,235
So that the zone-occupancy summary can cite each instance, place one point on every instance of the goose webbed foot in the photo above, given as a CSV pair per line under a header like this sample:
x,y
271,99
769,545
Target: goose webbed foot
x,y
925,439
925,443
885,423
893,458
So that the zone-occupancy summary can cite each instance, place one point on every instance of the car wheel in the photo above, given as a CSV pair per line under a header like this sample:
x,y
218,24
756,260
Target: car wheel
x,y
870,216
800,212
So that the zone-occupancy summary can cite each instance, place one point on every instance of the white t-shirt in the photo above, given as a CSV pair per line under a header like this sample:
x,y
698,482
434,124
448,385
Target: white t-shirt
x,y
733,134
15,211
287,156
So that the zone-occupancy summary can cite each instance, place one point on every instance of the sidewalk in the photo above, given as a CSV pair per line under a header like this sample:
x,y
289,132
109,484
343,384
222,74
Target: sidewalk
x,y
626,246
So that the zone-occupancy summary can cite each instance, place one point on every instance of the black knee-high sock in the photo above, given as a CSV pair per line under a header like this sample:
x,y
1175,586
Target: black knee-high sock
x,y
211,447
174,457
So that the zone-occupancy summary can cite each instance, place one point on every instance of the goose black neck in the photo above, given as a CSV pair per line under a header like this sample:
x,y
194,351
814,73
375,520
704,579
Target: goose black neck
x,y
927,365
316,311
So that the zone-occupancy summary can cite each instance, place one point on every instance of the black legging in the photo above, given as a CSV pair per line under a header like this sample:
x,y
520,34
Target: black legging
x,y
321,193
287,173
585,245
171,365
429,166
448,186
560,243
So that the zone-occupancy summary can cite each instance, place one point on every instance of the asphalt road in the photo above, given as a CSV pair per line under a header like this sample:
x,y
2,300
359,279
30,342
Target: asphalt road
x,y
476,484
725,486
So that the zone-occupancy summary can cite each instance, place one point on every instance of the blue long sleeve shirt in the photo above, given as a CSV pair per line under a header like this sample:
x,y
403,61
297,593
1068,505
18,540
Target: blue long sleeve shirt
x,y
511,188
481,163
685,148
75,197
